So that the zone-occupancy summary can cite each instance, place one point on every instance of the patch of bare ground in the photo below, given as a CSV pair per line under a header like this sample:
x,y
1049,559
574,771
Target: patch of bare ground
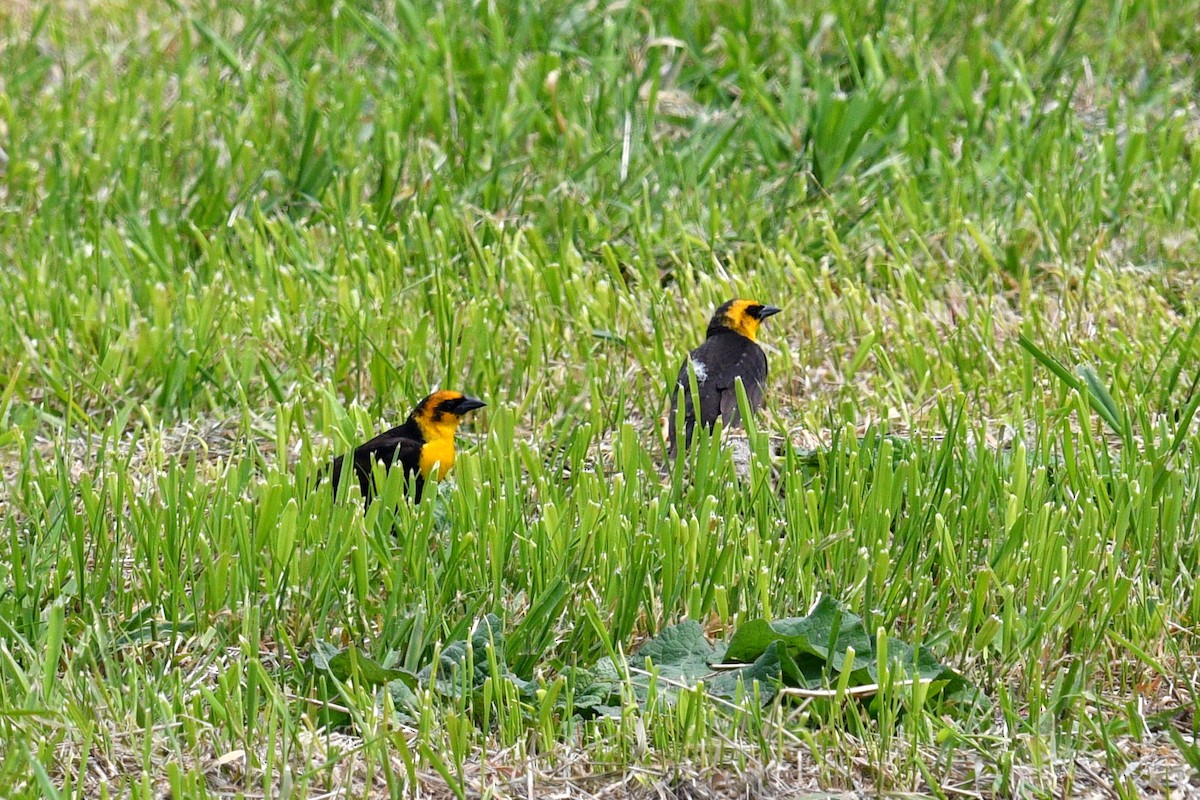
x,y
324,763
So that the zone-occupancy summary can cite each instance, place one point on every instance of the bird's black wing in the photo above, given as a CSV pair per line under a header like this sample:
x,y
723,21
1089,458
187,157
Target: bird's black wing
x,y
386,449
751,366
717,362
708,404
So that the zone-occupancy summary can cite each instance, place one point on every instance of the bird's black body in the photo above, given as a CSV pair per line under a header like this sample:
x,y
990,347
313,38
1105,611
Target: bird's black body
x,y
401,444
729,352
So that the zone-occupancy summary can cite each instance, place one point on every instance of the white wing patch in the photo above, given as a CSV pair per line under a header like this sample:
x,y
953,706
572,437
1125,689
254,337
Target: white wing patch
x,y
701,371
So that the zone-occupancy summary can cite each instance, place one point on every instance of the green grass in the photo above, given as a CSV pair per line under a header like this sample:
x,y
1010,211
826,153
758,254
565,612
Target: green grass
x,y
234,242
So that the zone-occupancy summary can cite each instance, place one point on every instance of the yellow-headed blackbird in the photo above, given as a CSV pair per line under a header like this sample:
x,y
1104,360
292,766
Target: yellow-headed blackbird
x,y
730,351
423,442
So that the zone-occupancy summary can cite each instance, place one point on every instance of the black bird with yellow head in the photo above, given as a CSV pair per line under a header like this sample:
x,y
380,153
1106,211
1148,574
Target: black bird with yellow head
x,y
730,351
423,445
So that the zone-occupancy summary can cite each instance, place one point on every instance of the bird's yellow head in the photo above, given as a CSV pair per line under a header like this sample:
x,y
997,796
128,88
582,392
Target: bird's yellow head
x,y
438,416
741,316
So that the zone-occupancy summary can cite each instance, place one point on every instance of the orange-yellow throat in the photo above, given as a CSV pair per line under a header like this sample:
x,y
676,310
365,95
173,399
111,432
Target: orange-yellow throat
x,y
439,446
739,320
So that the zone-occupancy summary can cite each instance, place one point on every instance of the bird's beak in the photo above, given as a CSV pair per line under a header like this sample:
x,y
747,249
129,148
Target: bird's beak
x,y
768,311
469,404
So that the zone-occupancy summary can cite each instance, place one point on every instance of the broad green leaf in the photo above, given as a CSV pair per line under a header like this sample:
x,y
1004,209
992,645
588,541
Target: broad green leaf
x,y
459,656
808,651
813,634
766,669
680,651
351,663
